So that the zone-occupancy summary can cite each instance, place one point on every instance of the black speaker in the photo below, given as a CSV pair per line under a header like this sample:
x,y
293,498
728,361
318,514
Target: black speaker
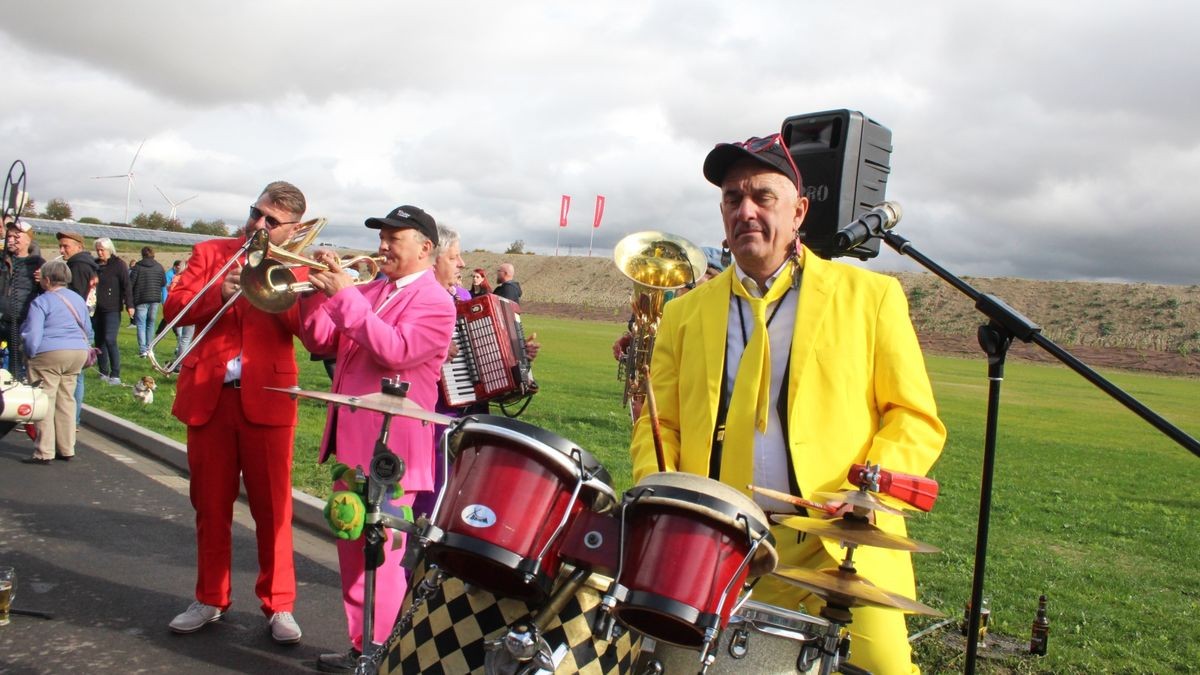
x,y
844,159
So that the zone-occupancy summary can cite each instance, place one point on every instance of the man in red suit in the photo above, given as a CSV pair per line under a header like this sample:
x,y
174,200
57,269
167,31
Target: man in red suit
x,y
235,426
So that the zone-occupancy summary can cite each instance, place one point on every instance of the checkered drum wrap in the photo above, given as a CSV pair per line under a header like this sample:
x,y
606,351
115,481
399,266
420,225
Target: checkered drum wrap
x,y
449,631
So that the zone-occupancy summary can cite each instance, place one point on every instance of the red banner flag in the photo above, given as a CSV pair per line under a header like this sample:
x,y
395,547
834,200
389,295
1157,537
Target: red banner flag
x,y
599,210
562,213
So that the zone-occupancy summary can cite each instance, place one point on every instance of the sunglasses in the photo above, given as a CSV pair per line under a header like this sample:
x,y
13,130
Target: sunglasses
x,y
759,145
272,222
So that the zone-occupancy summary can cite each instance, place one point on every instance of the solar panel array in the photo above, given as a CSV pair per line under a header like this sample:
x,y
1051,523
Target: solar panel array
x,y
117,232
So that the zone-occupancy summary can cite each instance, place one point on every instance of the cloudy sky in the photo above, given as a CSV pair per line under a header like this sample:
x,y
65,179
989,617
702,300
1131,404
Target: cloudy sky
x,y
1053,140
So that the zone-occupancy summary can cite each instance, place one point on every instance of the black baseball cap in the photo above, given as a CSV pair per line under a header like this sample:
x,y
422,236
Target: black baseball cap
x,y
768,151
407,217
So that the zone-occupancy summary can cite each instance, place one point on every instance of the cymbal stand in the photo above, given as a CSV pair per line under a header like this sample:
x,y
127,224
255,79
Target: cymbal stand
x,y
385,472
833,648
995,337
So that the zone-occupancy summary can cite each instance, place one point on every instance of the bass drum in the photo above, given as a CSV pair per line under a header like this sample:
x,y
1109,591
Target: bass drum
x,y
450,630
760,640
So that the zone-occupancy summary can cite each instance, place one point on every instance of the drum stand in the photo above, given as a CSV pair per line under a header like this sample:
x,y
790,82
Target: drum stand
x,y
523,649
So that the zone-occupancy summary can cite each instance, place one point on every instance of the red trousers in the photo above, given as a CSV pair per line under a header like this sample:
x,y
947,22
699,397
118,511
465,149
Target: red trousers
x,y
218,452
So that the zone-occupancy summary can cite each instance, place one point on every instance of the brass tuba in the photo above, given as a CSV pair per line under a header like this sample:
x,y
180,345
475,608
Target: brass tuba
x,y
658,263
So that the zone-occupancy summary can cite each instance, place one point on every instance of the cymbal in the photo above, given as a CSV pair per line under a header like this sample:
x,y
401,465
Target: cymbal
x,y
853,532
860,499
377,402
849,589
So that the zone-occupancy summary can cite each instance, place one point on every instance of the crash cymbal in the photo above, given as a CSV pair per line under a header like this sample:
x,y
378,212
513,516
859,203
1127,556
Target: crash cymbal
x,y
853,531
377,402
860,499
849,589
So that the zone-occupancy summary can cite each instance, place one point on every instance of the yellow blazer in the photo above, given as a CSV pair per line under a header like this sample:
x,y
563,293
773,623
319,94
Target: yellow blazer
x,y
857,391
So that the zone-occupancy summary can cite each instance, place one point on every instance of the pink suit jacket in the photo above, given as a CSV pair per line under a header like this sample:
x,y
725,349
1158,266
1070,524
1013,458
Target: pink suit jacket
x,y
409,338
264,340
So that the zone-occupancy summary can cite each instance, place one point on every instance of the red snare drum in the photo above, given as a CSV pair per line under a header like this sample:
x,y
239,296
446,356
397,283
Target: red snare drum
x,y
687,545
509,497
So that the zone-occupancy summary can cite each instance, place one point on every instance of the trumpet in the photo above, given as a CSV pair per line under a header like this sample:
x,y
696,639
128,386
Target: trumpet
x,y
259,252
270,284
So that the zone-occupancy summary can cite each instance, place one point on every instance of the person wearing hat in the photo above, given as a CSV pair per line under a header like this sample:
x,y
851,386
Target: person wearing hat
x,y
85,275
396,326
789,381
235,425
18,288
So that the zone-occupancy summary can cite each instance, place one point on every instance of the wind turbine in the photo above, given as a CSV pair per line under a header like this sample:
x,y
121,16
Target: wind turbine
x,y
174,205
128,176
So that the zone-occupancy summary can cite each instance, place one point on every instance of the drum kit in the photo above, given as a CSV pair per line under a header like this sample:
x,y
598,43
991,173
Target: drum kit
x,y
530,563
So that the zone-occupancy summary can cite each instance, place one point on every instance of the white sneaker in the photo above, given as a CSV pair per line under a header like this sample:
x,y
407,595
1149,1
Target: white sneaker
x,y
197,616
114,381
284,628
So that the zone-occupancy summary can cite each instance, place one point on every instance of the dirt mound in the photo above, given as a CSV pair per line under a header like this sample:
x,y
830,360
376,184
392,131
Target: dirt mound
x,y
1146,327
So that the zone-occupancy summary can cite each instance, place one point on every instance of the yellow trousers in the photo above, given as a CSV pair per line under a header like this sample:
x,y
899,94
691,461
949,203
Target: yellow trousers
x,y
878,637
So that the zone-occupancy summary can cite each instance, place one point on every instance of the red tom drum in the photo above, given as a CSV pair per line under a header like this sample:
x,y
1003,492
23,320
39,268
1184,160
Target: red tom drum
x,y
688,543
511,493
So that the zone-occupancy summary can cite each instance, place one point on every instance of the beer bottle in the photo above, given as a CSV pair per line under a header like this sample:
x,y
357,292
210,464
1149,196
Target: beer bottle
x,y
1041,630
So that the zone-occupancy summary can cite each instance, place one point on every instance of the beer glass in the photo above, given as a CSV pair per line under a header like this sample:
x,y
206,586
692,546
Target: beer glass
x,y
8,589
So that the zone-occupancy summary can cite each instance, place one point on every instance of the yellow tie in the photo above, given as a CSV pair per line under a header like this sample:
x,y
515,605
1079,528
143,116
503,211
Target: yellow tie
x,y
749,406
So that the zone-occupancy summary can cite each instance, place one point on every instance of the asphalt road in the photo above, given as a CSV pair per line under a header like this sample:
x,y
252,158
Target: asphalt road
x,y
106,545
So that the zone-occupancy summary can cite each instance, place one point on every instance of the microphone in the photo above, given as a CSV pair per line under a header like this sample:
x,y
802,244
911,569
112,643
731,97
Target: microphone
x,y
873,223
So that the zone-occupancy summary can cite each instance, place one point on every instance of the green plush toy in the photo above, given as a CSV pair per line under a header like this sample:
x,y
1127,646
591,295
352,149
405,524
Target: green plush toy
x,y
346,514
346,509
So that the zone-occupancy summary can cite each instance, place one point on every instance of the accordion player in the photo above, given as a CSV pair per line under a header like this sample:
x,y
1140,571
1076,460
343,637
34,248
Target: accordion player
x,y
491,364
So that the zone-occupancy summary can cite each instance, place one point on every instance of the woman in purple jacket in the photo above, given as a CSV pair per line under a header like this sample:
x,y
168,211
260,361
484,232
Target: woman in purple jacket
x,y
57,339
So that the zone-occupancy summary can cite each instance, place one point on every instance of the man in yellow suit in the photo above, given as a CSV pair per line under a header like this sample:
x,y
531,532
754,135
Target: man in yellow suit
x,y
832,376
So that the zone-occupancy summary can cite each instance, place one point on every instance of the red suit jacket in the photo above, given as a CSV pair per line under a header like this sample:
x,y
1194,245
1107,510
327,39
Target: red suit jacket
x,y
264,341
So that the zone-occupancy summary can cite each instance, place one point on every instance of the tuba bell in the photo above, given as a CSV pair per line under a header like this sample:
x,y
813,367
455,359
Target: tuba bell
x,y
658,263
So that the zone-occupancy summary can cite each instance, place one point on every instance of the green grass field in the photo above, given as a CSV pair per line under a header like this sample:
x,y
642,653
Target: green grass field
x,y
1091,506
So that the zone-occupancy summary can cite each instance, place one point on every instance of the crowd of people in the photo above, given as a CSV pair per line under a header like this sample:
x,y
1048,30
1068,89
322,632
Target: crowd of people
x,y
33,326
782,370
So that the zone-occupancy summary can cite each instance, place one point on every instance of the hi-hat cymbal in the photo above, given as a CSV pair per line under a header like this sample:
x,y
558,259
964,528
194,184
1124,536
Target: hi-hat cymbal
x,y
849,589
853,532
860,499
378,402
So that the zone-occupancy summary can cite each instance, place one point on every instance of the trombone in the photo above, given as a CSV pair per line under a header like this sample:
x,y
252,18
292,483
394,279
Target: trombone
x,y
270,284
259,282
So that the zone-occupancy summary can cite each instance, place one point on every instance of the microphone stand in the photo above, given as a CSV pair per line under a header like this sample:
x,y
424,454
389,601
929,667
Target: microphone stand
x,y
995,337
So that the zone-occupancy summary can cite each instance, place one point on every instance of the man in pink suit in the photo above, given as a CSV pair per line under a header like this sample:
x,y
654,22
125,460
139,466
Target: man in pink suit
x,y
235,426
399,325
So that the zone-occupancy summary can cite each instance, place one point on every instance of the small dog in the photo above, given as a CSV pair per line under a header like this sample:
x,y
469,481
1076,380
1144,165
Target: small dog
x,y
143,390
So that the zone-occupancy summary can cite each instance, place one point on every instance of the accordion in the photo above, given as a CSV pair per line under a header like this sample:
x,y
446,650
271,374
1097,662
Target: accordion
x,y
491,364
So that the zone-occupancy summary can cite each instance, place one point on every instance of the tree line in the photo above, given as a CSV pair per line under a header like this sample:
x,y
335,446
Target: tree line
x,y
59,209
